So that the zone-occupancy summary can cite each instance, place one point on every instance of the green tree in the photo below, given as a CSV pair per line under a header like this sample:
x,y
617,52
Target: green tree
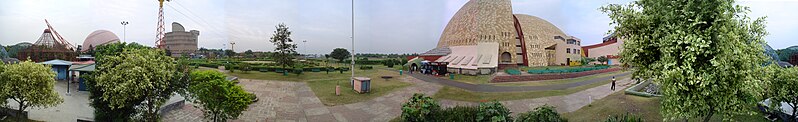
x,y
703,53
102,107
284,49
587,60
249,53
602,59
340,54
219,98
229,53
243,66
783,87
30,85
144,77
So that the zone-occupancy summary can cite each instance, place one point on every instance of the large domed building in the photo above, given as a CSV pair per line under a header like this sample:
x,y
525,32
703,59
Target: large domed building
x,y
485,35
97,38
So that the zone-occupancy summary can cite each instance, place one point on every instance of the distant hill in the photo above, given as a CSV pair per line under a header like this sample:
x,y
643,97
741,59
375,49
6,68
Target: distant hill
x,y
13,49
784,54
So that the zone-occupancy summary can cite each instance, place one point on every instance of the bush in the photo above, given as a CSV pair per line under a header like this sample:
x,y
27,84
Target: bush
x,y
298,71
625,118
419,108
494,112
457,114
366,67
544,113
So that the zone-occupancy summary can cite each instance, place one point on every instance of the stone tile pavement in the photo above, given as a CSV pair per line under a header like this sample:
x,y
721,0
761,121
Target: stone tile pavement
x,y
294,101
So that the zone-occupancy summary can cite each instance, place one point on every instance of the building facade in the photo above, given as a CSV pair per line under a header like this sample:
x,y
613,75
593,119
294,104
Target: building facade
x,y
485,34
610,47
181,42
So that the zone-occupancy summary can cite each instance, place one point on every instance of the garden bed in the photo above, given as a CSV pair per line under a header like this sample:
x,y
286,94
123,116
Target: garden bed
x,y
644,89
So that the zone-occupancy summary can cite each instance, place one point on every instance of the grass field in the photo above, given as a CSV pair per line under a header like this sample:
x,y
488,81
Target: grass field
x,y
559,81
453,93
646,108
323,83
471,79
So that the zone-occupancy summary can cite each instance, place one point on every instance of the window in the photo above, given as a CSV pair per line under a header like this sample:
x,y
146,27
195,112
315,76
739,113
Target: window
x,y
567,50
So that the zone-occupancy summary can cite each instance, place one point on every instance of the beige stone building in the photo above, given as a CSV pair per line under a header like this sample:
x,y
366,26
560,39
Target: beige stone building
x,y
181,42
610,47
521,39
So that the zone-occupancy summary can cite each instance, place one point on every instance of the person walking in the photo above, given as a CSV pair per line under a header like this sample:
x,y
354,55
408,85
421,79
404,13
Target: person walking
x,y
613,83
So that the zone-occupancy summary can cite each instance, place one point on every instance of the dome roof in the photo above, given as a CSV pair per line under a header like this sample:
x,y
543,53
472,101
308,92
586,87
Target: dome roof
x,y
476,21
99,37
532,24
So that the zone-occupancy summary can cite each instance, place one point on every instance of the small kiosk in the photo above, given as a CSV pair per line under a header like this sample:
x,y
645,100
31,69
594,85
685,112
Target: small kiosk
x,y
361,84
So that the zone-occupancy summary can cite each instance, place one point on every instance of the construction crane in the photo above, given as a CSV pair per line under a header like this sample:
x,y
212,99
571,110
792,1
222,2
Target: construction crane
x,y
59,39
159,34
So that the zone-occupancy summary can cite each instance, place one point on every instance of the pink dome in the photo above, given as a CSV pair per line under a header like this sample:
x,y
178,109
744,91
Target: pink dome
x,y
99,37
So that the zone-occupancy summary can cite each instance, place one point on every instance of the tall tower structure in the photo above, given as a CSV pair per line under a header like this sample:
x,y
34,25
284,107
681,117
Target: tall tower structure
x,y
159,33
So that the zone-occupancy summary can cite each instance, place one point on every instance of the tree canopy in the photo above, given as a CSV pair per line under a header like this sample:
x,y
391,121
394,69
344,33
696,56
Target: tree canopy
x,y
340,54
702,52
102,108
783,87
284,47
144,77
30,85
219,98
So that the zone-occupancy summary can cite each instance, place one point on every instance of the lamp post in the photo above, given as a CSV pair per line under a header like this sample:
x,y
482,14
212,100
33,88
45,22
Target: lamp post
x,y
124,30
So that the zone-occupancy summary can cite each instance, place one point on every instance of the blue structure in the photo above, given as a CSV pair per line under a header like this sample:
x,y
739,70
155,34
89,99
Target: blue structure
x,y
60,68
83,70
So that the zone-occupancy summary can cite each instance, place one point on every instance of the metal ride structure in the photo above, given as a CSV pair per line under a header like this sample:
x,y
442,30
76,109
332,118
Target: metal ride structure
x,y
159,34
59,39
50,45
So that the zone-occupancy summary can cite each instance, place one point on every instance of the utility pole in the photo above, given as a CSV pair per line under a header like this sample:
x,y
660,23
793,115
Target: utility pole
x,y
124,30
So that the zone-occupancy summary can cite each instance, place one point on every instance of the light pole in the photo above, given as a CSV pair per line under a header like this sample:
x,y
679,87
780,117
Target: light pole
x,y
124,30
303,44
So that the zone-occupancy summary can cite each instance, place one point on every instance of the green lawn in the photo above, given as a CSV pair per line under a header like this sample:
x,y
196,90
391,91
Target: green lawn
x,y
559,81
647,108
323,84
471,79
325,90
454,93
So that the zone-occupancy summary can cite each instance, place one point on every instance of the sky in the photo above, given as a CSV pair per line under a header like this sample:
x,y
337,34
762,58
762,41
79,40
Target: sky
x,y
319,26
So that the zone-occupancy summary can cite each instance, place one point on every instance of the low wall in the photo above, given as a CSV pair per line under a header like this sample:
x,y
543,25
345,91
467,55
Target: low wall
x,y
13,112
550,76
635,90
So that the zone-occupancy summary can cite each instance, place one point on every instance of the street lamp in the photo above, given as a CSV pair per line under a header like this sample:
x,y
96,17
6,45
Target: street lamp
x,y
124,30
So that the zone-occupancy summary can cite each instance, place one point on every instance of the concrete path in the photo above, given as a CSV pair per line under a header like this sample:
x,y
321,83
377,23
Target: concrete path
x,y
493,88
75,106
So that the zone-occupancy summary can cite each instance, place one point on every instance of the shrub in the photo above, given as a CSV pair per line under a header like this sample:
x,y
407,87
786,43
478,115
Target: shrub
x,y
298,71
494,112
419,108
366,67
457,114
625,118
544,113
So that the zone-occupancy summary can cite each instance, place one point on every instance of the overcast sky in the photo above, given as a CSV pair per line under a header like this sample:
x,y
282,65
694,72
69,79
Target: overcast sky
x,y
381,26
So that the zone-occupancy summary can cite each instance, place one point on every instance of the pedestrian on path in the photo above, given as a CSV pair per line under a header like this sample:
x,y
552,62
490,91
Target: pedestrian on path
x,y
613,83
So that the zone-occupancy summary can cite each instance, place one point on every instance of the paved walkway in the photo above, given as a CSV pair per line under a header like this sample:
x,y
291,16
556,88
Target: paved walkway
x,y
294,101
493,88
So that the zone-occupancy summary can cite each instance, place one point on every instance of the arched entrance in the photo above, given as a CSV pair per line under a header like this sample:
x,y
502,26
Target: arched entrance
x,y
413,67
506,57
